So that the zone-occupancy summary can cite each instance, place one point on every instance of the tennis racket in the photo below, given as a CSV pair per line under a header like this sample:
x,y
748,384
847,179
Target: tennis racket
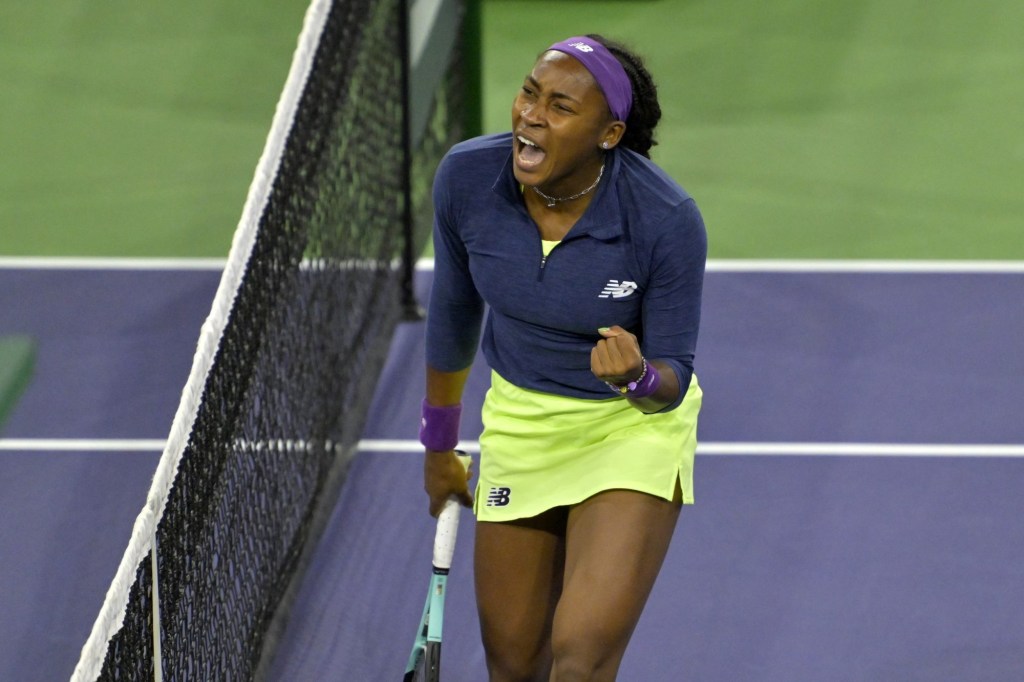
x,y
425,659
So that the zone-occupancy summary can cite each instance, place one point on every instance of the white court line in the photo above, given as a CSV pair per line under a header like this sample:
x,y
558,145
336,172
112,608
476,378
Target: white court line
x,y
854,266
779,449
868,266
81,445
61,263
707,448
427,265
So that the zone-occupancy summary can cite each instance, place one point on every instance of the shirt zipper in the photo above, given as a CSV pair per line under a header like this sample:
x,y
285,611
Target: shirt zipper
x,y
543,262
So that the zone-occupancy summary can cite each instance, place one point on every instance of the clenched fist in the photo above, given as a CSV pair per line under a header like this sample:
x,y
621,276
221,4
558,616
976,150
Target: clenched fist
x,y
616,358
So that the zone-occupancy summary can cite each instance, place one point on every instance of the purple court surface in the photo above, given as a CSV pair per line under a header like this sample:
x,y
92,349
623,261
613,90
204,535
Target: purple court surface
x,y
859,508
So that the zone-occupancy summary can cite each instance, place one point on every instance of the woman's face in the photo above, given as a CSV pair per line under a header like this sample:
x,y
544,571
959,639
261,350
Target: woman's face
x,y
559,121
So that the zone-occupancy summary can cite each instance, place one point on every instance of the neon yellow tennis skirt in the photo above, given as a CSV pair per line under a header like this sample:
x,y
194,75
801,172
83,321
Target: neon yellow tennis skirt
x,y
539,451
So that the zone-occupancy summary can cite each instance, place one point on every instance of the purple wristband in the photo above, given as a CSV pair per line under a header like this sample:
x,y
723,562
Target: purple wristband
x,y
646,384
439,426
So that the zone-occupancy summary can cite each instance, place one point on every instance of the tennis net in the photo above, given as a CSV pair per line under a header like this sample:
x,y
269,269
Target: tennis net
x,y
287,360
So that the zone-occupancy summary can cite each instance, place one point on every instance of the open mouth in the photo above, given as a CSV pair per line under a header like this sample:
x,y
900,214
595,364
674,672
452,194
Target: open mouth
x,y
529,154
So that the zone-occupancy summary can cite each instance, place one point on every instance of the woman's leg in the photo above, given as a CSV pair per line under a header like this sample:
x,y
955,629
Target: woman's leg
x,y
615,544
518,568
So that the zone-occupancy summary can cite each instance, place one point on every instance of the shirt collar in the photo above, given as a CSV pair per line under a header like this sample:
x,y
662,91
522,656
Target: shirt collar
x,y
603,217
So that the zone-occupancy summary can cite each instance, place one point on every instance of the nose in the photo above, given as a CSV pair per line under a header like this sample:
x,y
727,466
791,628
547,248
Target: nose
x,y
529,115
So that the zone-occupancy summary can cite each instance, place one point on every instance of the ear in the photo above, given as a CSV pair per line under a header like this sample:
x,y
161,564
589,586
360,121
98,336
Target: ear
x,y
612,135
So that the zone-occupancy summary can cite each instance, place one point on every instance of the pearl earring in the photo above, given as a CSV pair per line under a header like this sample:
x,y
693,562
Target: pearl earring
x,y
604,145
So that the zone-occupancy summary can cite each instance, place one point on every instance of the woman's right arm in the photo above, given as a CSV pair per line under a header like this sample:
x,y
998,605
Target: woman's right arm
x,y
443,473
454,316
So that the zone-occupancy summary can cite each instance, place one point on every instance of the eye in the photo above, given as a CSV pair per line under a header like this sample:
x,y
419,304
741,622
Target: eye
x,y
527,90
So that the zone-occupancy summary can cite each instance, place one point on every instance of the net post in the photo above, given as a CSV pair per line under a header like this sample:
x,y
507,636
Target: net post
x,y
158,663
472,117
411,309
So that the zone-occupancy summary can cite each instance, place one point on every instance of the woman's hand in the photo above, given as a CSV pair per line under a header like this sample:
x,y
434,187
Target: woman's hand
x,y
616,358
444,476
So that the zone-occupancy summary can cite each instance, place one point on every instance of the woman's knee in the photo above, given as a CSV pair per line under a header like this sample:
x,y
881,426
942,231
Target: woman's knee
x,y
589,651
517,644
508,664
578,665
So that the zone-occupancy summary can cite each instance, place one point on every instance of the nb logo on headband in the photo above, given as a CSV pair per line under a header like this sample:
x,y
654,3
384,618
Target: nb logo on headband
x,y
582,46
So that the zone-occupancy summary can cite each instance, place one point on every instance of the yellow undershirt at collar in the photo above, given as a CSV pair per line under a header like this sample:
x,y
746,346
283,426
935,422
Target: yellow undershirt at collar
x,y
546,245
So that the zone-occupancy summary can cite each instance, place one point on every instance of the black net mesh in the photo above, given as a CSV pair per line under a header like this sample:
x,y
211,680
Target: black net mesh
x,y
296,367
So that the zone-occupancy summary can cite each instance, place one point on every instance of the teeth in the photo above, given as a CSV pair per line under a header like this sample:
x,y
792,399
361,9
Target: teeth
x,y
525,141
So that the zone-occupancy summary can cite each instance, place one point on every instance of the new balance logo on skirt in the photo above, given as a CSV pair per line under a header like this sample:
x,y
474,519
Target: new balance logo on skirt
x,y
617,289
498,497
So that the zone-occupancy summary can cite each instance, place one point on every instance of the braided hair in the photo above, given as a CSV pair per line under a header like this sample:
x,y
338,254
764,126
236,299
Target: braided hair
x,y
645,112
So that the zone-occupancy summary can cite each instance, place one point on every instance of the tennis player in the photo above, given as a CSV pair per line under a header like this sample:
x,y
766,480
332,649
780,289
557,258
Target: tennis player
x,y
591,260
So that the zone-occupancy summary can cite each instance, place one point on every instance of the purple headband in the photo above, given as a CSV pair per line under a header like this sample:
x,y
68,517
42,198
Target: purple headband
x,y
605,69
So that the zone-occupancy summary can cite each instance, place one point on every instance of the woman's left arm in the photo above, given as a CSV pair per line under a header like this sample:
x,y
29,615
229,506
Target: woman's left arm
x,y
671,317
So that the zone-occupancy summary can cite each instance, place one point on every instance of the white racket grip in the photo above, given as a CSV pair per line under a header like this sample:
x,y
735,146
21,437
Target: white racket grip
x,y
444,536
447,529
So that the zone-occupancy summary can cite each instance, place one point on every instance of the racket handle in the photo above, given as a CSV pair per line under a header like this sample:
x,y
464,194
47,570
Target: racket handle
x,y
447,528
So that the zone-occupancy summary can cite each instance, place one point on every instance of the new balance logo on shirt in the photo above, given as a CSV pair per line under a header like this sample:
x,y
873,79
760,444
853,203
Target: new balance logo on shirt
x,y
617,289
499,497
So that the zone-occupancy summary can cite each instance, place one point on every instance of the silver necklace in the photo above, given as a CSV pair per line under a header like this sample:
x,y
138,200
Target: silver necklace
x,y
551,201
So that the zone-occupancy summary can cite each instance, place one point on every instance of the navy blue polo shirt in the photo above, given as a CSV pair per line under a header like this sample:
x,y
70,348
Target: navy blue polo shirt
x,y
634,259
